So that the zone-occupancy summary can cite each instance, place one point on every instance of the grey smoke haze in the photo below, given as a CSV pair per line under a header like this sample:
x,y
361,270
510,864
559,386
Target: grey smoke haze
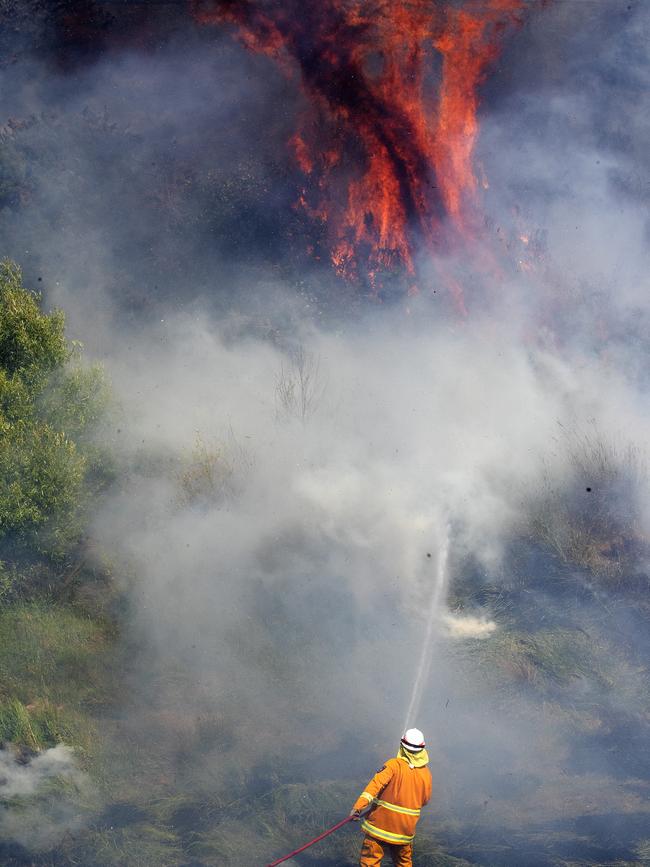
x,y
287,589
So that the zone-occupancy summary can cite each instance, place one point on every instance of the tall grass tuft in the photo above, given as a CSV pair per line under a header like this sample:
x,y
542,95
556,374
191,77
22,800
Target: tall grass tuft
x,y
588,509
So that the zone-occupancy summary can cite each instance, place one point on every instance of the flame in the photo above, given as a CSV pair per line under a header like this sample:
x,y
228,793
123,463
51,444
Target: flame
x,y
368,69
468,45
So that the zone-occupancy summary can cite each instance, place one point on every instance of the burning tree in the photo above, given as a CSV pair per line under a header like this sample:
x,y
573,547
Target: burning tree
x,y
386,138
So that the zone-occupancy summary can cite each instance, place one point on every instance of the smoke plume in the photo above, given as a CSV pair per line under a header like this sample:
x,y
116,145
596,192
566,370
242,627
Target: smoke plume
x,y
29,814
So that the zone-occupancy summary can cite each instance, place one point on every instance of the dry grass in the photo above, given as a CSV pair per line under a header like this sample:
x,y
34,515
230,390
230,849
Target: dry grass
x,y
213,472
588,510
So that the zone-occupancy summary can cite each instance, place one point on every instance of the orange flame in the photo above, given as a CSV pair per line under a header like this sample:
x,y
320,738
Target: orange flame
x,y
368,70
468,45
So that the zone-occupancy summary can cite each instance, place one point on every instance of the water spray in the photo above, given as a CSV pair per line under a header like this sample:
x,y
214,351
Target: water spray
x,y
433,617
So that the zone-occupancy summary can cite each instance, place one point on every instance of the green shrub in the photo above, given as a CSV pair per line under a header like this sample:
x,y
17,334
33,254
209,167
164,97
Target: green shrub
x,y
50,409
31,343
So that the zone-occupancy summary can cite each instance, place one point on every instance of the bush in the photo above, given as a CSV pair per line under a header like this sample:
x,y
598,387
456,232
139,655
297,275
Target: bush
x,y
50,408
213,472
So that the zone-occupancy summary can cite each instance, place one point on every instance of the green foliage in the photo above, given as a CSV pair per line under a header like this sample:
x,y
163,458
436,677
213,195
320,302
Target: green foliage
x,y
50,407
31,343
76,400
41,476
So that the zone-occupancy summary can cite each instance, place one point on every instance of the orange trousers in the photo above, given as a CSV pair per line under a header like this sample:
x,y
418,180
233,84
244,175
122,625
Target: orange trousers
x,y
373,851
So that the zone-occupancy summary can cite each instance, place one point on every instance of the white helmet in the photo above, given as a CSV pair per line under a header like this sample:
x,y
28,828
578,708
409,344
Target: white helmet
x,y
413,740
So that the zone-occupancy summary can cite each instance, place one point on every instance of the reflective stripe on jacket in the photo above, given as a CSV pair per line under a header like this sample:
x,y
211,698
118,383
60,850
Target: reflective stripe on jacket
x,y
403,790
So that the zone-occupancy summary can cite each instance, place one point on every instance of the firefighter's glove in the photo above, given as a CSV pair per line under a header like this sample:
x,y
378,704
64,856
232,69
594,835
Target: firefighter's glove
x,y
355,815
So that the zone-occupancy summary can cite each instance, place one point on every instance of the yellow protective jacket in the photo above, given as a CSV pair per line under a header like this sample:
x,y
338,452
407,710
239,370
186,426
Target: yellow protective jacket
x,y
397,792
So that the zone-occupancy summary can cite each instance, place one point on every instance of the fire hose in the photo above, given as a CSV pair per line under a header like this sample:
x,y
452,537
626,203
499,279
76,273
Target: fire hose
x,y
312,842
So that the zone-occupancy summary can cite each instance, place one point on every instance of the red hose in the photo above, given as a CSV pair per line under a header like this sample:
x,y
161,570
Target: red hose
x,y
311,842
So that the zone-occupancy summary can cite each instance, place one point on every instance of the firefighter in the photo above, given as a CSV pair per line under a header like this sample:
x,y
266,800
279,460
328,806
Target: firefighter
x,y
397,792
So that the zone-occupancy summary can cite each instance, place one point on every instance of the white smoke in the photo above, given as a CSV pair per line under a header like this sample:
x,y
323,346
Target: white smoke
x,y
42,797
415,422
467,626
24,778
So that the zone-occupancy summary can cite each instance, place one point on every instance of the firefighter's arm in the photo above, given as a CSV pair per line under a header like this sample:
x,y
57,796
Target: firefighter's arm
x,y
427,793
374,787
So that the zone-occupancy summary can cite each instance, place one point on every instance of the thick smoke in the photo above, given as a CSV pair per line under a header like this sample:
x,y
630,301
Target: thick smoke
x,y
289,592
290,455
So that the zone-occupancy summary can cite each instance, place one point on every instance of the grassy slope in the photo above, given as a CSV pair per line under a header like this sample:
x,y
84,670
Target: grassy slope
x,y
63,679
58,677
55,676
